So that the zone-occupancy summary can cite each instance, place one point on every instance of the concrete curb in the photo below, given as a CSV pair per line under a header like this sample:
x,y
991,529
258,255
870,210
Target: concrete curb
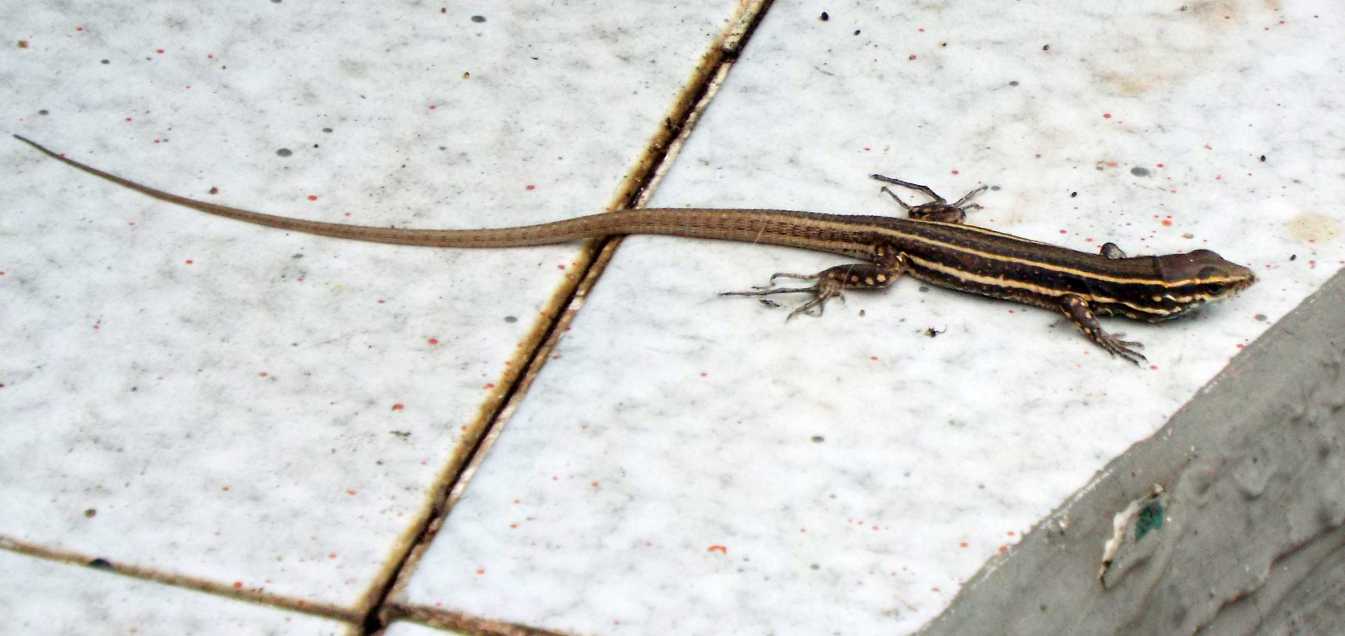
x,y
1228,519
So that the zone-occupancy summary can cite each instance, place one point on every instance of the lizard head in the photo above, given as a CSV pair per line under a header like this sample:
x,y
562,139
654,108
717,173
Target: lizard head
x,y
1195,278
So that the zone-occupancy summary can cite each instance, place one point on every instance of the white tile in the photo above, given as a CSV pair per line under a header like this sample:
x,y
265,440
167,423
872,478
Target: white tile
x,y
241,404
47,597
403,628
693,464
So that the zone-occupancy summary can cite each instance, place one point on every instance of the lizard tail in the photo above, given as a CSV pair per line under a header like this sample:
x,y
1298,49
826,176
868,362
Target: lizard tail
x,y
773,227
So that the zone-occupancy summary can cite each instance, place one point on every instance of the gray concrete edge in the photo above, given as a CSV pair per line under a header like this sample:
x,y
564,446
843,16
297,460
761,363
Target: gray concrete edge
x,y
1243,532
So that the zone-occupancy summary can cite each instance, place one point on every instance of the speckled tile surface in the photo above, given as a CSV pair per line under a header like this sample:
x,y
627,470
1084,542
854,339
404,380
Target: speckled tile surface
x,y
265,410
692,464
403,628
46,597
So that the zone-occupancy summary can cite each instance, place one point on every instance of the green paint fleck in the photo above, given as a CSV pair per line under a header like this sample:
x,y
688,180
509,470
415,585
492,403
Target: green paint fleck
x,y
1150,518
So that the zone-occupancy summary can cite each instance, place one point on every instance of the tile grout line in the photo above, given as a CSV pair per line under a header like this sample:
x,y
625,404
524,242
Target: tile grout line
x,y
663,146
660,151
200,584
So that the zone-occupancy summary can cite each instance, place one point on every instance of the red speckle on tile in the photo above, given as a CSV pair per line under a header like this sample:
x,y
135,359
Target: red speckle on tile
x,y
873,358
530,187
910,57
189,262
1241,346
352,492
399,407
159,51
514,526
488,385
1010,533
1208,147
2,273
1106,115
98,324
1218,177
594,484
23,44
262,374
480,571
381,301
1167,222
955,171
433,107
962,544
1159,165
1064,231
433,341
238,585
1312,264
331,555
722,549
312,197
920,29
560,267
127,119
1003,549
935,589
1088,239
210,56
79,28
1153,367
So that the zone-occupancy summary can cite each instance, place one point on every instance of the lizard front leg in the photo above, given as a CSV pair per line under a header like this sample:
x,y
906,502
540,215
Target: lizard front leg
x,y
831,283
1076,309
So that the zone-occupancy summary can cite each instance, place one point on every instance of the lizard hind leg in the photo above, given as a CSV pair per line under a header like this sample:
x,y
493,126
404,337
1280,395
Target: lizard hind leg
x,y
937,209
830,283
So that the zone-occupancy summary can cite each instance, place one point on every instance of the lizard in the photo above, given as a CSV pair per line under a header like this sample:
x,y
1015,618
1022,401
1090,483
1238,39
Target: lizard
x,y
932,244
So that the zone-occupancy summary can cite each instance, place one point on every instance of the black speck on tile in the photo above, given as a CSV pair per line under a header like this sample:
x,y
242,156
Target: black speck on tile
x,y
824,17
478,18
1139,171
284,152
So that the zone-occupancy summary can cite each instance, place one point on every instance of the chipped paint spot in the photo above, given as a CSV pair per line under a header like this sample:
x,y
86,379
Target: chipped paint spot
x,y
1312,227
